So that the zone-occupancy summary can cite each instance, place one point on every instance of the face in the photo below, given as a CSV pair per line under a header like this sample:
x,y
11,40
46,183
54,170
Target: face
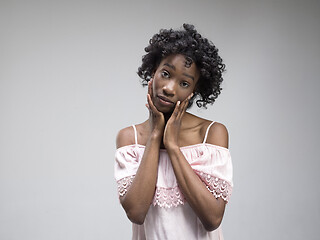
x,y
174,80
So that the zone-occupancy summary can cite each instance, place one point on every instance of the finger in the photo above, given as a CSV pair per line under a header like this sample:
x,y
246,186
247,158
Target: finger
x,y
151,105
182,109
149,100
148,93
184,105
188,100
176,110
150,87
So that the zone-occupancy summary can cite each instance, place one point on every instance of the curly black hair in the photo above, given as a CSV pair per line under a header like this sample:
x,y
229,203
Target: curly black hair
x,y
195,48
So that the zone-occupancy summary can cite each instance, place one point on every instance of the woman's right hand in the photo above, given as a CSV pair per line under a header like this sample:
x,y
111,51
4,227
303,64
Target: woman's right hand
x,y
156,118
136,202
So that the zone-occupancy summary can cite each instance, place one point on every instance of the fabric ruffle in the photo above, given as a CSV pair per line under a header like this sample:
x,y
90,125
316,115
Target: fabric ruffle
x,y
168,197
210,162
124,184
218,187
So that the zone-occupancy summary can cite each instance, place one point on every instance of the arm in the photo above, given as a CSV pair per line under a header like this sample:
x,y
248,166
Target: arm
x,y
209,209
136,201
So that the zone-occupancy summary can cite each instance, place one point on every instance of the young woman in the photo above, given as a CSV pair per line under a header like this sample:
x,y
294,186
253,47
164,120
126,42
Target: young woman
x,y
174,170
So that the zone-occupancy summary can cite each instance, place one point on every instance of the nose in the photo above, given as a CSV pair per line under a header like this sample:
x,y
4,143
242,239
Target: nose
x,y
169,88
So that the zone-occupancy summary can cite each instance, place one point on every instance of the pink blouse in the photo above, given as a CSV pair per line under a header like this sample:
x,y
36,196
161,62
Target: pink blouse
x,y
170,216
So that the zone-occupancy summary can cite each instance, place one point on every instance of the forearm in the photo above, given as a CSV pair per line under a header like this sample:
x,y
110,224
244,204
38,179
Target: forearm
x,y
209,209
137,200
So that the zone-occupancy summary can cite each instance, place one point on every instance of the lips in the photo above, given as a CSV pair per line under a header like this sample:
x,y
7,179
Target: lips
x,y
165,101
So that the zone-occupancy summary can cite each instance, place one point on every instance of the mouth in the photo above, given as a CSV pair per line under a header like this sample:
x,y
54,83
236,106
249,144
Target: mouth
x,y
165,101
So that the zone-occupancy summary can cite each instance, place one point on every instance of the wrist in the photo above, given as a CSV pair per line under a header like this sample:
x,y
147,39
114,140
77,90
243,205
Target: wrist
x,y
156,135
172,147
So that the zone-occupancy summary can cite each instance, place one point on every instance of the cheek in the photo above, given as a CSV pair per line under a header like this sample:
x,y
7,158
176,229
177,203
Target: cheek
x,y
184,95
155,87
155,84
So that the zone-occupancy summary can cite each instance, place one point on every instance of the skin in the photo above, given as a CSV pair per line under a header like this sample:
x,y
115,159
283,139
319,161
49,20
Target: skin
x,y
169,126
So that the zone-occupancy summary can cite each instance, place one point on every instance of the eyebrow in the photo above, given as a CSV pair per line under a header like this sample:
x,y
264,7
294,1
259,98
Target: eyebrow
x,y
174,68
170,66
189,76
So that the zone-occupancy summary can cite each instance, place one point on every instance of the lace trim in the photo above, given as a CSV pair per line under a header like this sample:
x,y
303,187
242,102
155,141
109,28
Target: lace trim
x,y
218,187
163,197
172,197
124,184
168,197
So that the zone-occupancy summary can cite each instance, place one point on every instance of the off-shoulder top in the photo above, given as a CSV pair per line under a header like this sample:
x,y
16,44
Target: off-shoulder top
x,y
169,215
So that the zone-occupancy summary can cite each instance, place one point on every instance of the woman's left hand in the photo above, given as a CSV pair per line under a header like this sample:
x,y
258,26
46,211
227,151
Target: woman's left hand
x,y
172,129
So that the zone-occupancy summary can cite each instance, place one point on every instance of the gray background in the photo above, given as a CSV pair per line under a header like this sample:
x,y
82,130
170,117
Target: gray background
x,y
69,83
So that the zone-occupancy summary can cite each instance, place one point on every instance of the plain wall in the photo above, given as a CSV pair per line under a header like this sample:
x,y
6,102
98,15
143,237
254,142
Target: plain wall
x,y
68,84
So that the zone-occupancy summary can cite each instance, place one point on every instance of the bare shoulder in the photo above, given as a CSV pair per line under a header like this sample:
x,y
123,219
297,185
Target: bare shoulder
x,y
125,137
218,135
197,128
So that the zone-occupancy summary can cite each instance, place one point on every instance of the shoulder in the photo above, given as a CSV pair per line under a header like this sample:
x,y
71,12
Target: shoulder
x,y
125,137
218,135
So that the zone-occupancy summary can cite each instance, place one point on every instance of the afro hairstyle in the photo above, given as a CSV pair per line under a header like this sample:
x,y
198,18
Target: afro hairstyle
x,y
196,49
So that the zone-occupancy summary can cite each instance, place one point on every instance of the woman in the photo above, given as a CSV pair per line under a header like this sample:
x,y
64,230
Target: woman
x,y
174,170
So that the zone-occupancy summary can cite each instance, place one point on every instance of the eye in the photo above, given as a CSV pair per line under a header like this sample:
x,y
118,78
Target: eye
x,y
165,74
184,84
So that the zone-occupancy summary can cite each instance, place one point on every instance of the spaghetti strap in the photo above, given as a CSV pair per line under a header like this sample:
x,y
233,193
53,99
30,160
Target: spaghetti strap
x,y
205,137
135,134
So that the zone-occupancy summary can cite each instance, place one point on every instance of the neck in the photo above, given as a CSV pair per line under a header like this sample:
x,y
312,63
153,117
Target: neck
x,y
167,116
